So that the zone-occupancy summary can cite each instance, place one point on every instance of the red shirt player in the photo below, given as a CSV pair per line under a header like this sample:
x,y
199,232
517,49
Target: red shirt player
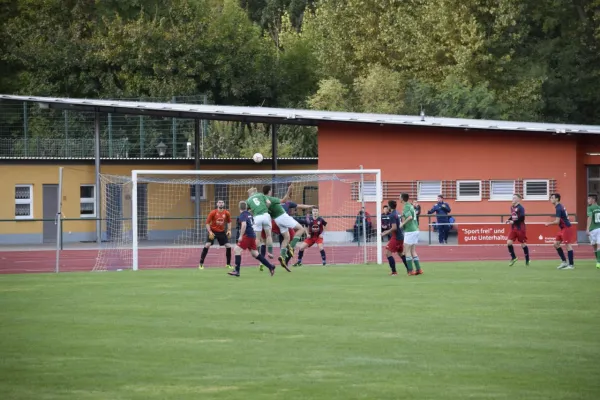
x,y
315,226
518,230
566,235
216,222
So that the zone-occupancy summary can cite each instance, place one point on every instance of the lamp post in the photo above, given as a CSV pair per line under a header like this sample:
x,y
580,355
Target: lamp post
x,y
162,149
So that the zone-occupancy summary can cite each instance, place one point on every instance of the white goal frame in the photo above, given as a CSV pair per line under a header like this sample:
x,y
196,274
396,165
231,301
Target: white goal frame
x,y
136,173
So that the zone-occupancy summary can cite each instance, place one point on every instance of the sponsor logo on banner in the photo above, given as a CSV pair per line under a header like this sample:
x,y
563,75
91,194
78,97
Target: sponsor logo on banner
x,y
498,233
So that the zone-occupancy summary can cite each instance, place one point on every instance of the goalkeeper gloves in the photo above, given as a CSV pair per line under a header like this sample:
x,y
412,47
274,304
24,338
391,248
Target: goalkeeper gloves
x,y
229,234
211,235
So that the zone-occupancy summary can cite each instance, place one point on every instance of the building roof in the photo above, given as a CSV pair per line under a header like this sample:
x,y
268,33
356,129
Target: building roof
x,y
291,116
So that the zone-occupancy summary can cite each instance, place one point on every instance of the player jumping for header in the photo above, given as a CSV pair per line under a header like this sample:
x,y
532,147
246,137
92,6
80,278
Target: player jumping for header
x,y
518,230
411,235
316,228
247,241
593,225
259,205
284,223
217,221
396,242
566,234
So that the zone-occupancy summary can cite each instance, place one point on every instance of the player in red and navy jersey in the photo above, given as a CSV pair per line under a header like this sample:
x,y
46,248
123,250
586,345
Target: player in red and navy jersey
x,y
518,230
247,241
315,226
566,235
396,242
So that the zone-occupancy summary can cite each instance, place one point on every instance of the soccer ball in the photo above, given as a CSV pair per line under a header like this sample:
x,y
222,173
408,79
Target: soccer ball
x,y
257,157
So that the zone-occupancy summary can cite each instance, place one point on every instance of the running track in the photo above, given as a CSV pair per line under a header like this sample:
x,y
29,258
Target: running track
x,y
40,261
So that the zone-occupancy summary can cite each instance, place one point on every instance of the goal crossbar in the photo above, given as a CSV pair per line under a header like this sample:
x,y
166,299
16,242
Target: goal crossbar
x,y
139,174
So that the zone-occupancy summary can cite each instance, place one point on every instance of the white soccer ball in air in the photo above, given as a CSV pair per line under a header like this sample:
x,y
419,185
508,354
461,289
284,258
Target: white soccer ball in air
x,y
257,157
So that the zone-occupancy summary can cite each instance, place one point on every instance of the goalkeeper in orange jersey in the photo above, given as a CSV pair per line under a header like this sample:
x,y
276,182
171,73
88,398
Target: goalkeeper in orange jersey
x,y
218,225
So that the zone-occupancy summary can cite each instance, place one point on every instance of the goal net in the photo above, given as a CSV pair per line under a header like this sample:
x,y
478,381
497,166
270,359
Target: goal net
x,y
167,229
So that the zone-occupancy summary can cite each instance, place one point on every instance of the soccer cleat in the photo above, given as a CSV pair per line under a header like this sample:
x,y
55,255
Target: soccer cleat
x,y
562,265
283,264
569,267
298,264
272,271
598,265
324,263
200,266
290,250
411,273
513,261
261,267
527,263
393,273
419,272
229,266
234,273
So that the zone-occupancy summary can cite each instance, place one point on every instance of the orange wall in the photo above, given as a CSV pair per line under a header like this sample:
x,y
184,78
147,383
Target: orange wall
x,y
412,154
585,144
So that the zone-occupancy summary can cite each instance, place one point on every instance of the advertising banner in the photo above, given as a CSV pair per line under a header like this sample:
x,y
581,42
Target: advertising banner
x,y
497,233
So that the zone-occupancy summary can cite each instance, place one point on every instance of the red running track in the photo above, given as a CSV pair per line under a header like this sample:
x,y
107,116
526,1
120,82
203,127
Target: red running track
x,y
39,261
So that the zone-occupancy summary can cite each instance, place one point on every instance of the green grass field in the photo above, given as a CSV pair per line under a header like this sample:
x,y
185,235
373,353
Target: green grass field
x,y
463,330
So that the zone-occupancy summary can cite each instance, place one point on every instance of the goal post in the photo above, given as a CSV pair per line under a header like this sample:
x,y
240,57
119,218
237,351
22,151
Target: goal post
x,y
155,223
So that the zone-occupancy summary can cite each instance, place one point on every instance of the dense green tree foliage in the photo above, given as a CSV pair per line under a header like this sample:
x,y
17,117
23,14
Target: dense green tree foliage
x,y
535,60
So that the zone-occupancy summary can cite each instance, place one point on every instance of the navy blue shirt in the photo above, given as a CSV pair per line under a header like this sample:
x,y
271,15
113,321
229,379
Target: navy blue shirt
x,y
287,205
517,215
385,222
395,219
249,220
441,210
561,212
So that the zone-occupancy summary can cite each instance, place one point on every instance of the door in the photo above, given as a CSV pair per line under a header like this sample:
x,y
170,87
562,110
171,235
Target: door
x,y
50,209
142,200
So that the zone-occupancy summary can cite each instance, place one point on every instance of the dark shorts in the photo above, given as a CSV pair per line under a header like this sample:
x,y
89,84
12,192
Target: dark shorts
x,y
220,237
518,235
395,245
247,243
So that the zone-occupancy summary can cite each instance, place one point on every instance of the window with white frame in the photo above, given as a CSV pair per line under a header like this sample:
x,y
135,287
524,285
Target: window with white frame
x,y
468,190
87,201
502,190
536,189
23,201
202,190
429,190
369,190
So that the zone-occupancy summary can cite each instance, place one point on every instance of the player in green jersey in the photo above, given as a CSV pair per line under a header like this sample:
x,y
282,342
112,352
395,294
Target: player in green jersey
x,y
259,205
411,234
284,223
593,225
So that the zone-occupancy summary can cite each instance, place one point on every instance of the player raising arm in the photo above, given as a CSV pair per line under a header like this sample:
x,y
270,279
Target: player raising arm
x,y
396,242
566,234
259,205
518,230
247,241
593,225
316,228
218,225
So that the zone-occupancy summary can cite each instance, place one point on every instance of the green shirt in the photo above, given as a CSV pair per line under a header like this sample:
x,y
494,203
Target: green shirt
x,y
275,209
594,212
258,204
409,211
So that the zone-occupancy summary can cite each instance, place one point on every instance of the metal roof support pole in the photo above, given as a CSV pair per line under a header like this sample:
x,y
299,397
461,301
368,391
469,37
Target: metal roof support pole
x,y
197,223
97,162
274,147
